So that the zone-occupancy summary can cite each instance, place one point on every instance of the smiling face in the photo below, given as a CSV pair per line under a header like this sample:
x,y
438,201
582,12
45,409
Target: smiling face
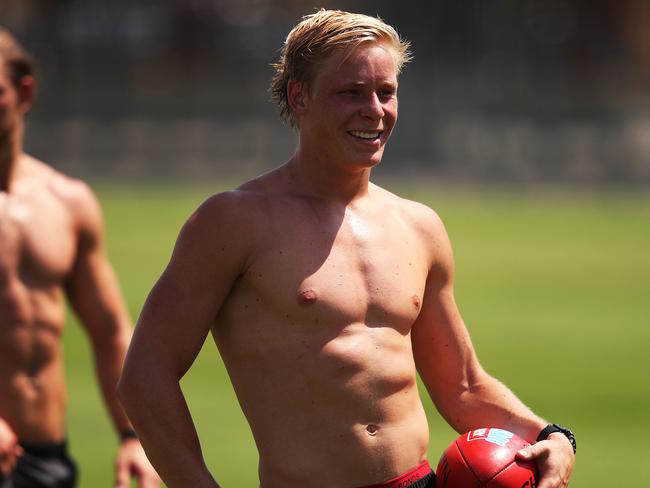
x,y
348,113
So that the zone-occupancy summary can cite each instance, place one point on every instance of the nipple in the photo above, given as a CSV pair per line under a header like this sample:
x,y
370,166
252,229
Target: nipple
x,y
372,429
416,302
307,297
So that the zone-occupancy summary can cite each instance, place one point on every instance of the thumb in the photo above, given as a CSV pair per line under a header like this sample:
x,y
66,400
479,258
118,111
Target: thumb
x,y
529,452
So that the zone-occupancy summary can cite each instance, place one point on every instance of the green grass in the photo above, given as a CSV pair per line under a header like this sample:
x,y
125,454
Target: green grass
x,y
553,285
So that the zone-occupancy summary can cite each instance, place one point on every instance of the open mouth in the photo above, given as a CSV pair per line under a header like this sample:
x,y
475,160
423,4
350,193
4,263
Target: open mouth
x,y
365,135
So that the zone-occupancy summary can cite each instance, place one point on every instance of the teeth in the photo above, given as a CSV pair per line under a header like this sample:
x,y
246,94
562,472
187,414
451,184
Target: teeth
x,y
365,135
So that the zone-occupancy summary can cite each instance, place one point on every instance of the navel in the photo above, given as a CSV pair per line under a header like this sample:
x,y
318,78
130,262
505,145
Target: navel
x,y
307,297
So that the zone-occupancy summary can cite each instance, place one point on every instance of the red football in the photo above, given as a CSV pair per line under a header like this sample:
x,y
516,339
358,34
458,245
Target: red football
x,y
485,458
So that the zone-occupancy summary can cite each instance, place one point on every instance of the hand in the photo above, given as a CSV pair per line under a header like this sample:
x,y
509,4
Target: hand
x,y
132,462
554,458
10,450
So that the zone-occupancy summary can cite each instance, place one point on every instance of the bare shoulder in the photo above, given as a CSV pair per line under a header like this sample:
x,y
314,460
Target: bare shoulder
x,y
230,211
422,218
73,194
227,225
55,182
425,223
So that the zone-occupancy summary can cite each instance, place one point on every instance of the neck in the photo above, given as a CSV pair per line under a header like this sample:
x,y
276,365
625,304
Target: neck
x,y
318,177
10,152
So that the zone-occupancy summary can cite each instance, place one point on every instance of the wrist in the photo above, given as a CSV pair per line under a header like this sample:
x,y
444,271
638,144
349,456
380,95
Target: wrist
x,y
557,429
559,437
128,434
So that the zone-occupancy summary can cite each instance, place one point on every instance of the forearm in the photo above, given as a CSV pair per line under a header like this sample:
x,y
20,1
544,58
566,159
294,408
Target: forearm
x,y
486,402
94,294
159,412
110,351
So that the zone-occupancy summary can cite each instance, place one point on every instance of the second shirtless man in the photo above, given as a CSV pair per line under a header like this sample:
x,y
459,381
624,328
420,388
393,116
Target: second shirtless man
x,y
51,248
325,295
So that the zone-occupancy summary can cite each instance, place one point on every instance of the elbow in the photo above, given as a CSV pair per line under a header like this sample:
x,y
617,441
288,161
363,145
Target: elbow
x,y
467,386
122,389
127,388
474,375
141,382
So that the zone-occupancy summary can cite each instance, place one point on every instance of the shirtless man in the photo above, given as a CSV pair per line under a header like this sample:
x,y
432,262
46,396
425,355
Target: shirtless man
x,y
325,294
51,247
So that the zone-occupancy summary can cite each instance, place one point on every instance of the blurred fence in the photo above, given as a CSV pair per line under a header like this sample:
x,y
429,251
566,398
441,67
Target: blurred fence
x,y
466,147
506,90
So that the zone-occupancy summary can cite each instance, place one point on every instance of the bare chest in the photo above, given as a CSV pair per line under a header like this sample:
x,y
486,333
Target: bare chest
x,y
367,271
37,241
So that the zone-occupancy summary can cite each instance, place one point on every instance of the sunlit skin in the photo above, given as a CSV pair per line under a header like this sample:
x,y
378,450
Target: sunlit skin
x,y
325,295
51,248
354,95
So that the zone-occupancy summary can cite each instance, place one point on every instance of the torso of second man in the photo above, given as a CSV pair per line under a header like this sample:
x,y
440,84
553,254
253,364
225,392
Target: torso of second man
x,y
38,242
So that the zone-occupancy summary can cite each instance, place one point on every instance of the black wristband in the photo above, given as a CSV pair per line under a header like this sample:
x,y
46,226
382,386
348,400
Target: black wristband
x,y
128,434
550,428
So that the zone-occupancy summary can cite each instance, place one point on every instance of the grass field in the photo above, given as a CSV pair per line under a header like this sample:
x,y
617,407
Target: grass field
x,y
553,285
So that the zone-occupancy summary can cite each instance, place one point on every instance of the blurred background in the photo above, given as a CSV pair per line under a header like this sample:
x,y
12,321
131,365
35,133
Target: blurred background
x,y
524,123
506,90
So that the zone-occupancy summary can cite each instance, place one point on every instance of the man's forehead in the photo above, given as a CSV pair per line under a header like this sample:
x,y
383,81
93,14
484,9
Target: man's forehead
x,y
377,57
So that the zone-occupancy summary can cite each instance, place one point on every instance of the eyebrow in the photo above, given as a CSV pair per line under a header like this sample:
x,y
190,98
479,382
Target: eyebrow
x,y
361,84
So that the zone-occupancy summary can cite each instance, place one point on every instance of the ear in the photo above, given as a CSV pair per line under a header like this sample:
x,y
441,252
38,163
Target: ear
x,y
26,91
297,96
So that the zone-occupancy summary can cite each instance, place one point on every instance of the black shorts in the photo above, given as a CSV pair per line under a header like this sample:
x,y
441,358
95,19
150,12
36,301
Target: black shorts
x,y
43,466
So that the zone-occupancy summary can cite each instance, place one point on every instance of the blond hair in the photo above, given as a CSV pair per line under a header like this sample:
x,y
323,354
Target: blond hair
x,y
15,58
316,37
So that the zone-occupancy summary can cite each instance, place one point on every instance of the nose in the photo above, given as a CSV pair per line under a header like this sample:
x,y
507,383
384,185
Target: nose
x,y
373,108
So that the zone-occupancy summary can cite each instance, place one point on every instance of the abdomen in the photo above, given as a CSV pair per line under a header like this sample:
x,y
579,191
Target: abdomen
x,y
343,404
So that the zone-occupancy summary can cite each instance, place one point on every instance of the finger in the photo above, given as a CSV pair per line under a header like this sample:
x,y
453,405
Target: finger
x,y
147,477
122,475
12,463
6,466
546,482
7,462
143,477
149,481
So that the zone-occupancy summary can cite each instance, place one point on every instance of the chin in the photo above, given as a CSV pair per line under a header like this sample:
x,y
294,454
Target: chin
x,y
373,161
364,163
367,160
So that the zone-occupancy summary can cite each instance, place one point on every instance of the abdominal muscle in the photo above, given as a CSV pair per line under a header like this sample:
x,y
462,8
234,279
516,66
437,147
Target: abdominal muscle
x,y
32,387
330,411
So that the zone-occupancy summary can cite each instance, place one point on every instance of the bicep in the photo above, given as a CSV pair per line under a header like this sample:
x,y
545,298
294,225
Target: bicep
x,y
442,347
91,287
185,301
94,294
